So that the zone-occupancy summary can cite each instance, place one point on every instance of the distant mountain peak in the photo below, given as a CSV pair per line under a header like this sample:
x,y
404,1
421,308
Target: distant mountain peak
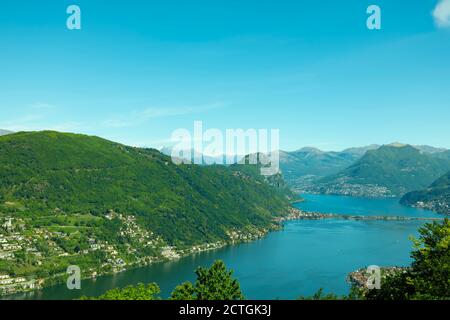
x,y
397,145
429,149
391,170
310,150
361,150
5,132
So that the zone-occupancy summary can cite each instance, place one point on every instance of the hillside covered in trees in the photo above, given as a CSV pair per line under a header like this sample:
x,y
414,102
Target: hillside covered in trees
x,y
75,199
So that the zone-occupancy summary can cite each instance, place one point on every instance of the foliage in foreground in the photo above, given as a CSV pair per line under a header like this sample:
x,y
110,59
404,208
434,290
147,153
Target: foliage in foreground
x,y
428,278
215,283
139,292
320,295
429,275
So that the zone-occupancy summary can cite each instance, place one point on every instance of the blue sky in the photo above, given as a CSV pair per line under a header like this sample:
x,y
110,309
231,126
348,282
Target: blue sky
x,y
138,70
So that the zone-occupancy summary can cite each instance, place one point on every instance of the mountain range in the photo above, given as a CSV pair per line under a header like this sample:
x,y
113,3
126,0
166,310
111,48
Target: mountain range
x,y
391,170
302,167
193,156
375,171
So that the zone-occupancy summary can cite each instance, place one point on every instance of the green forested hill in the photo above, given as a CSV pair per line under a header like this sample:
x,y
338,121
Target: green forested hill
x,y
50,172
69,199
391,170
436,197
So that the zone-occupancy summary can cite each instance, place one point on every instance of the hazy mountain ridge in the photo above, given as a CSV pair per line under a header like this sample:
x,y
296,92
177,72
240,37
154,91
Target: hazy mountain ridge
x,y
443,155
193,156
430,149
5,132
303,167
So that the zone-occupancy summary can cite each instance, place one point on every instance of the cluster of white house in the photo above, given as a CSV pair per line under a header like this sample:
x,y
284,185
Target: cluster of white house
x,y
10,285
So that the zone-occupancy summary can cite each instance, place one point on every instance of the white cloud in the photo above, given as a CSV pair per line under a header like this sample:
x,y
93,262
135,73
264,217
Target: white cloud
x,y
40,117
39,123
139,117
441,14
23,123
42,105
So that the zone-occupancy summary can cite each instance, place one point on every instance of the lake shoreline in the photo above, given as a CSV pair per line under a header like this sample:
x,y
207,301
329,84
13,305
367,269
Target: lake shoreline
x,y
294,214
308,215
236,239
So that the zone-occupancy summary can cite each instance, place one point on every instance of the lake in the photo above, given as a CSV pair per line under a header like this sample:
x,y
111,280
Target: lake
x,y
302,258
361,206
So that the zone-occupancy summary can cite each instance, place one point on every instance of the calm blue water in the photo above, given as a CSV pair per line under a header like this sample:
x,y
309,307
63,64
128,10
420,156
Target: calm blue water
x,y
305,256
361,206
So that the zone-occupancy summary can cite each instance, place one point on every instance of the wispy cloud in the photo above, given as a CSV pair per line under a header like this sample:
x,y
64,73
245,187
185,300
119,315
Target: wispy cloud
x,y
138,117
39,117
23,123
38,123
42,105
441,14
